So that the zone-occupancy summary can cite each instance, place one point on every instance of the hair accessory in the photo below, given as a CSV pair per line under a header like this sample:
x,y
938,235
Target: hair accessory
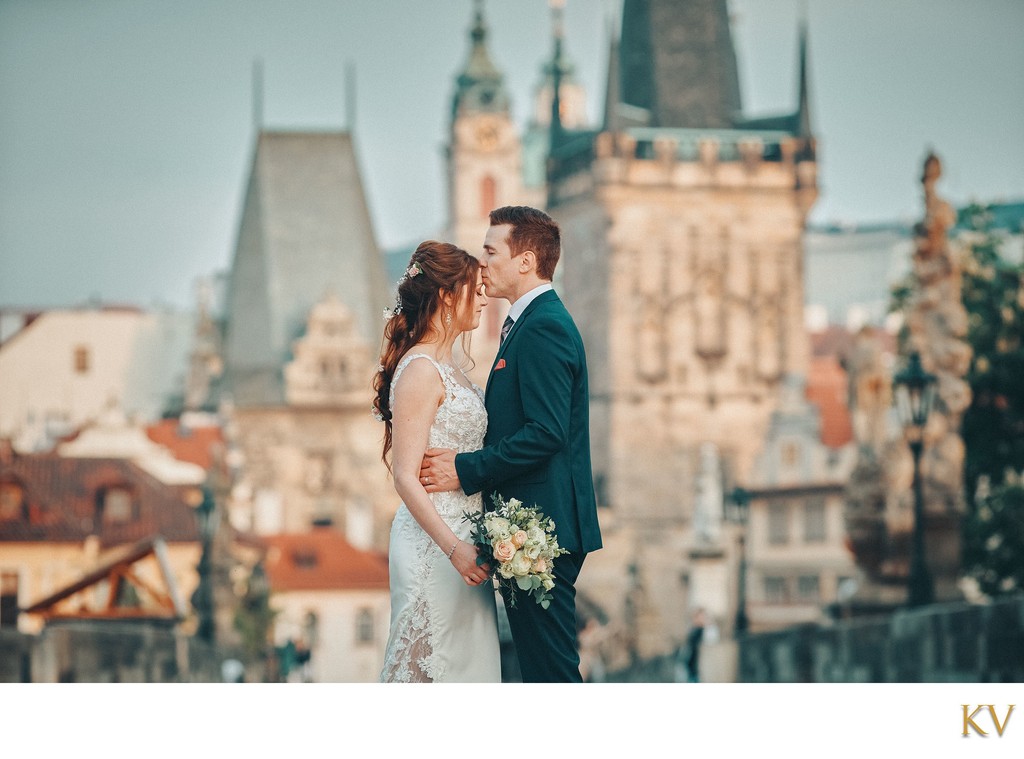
x,y
413,270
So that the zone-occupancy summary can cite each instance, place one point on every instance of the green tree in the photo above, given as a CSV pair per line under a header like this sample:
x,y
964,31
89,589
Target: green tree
x,y
993,294
995,533
993,425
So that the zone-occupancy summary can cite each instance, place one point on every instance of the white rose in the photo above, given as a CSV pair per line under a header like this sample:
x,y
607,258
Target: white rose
x,y
505,570
536,534
532,551
521,564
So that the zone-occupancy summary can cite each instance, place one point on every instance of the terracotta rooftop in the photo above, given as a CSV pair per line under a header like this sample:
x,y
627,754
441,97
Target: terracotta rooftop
x,y
827,389
191,444
60,501
838,341
322,559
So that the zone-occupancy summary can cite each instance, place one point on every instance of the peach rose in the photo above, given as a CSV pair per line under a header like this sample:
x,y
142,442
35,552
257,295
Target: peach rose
x,y
540,565
519,538
504,550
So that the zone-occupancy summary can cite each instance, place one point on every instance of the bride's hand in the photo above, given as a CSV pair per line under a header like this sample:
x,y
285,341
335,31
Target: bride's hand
x,y
464,560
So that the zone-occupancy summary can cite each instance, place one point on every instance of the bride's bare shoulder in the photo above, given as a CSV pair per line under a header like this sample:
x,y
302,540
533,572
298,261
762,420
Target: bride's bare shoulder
x,y
418,378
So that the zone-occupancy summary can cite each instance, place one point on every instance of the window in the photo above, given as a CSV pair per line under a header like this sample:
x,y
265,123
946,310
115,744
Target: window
x,y
12,501
488,194
318,471
8,599
81,360
118,505
808,587
364,626
814,521
778,523
775,591
790,454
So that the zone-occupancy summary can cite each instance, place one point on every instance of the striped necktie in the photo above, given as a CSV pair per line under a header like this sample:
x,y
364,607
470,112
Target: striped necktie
x,y
505,328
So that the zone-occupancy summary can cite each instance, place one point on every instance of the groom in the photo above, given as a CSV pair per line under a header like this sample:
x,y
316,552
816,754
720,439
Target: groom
x,y
537,447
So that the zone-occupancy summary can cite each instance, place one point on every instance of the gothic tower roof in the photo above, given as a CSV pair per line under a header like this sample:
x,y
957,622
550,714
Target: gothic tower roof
x,y
305,230
480,86
677,62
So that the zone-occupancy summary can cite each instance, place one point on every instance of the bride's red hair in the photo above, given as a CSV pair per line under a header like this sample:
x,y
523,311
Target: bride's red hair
x,y
442,268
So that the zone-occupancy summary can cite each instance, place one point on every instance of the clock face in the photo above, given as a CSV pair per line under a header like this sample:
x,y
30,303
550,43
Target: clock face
x,y
487,135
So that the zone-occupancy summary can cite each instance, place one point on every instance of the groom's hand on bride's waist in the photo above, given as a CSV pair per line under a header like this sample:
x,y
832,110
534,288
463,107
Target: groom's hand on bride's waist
x,y
437,472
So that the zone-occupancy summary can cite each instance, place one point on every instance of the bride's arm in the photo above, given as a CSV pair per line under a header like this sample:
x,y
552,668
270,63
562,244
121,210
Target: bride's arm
x,y
418,393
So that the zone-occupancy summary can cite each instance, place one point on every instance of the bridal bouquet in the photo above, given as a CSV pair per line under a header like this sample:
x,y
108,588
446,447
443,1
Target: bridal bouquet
x,y
519,542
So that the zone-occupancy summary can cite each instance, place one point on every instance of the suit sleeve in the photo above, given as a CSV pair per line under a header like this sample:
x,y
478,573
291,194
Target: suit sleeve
x,y
547,370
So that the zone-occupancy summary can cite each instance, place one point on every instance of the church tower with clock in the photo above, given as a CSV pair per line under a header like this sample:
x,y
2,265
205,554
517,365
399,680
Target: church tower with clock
x,y
490,162
484,167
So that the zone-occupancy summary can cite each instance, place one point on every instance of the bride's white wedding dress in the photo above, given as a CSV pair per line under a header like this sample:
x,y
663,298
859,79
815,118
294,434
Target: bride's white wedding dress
x,y
442,630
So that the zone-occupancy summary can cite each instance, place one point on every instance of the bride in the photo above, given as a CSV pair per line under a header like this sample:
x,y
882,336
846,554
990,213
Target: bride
x,y
443,610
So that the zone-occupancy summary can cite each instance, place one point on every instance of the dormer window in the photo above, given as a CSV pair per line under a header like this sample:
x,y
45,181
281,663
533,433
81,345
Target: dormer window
x,y
115,504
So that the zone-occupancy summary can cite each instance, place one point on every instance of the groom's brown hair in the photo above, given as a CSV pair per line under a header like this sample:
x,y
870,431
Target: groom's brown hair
x,y
531,230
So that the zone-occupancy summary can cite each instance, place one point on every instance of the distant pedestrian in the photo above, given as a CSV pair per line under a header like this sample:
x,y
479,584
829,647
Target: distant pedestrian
x,y
691,650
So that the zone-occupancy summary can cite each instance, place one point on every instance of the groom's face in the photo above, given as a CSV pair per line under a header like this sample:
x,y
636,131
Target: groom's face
x,y
499,268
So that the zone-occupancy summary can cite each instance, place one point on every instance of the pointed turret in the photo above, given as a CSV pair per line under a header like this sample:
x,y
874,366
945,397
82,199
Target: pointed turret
x,y
807,150
556,76
572,98
678,63
480,87
612,90
803,108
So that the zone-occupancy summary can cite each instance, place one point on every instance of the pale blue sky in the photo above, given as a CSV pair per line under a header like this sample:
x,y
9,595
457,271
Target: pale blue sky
x,y
126,126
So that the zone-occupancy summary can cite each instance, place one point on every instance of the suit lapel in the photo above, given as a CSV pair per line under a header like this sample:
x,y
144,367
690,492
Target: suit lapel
x,y
544,297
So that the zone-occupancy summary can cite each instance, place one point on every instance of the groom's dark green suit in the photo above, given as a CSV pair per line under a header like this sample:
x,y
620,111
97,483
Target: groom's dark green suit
x,y
537,449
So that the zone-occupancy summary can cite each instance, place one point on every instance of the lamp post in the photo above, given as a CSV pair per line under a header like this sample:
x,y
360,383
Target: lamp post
x,y
914,394
738,512
202,598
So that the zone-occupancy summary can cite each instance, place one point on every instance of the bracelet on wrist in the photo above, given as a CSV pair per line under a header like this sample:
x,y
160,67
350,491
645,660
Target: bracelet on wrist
x,y
452,549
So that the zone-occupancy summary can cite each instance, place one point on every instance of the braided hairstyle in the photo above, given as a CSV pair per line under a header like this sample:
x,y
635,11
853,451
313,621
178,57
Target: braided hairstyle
x,y
435,268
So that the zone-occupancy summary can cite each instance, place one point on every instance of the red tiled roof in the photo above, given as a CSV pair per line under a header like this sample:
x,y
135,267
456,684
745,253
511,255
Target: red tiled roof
x,y
191,444
61,494
322,560
827,389
838,341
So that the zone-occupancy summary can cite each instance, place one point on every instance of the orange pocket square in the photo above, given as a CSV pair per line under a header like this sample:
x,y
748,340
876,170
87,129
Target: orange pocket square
x,y
499,365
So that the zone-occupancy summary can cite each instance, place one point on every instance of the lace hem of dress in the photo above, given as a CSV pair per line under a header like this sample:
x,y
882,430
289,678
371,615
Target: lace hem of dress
x,y
410,657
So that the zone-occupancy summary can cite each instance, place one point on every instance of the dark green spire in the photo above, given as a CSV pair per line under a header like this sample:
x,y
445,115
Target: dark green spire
x,y
480,87
677,63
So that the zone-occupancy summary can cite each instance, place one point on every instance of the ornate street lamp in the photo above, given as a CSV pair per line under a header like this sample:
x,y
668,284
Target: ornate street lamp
x,y
914,394
202,598
737,511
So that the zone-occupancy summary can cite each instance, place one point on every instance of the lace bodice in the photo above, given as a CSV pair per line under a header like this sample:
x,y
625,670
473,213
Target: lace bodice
x,y
460,424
